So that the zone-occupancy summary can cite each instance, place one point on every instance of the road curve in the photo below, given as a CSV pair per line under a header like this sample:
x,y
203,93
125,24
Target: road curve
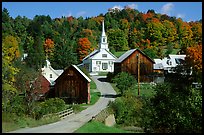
x,y
75,121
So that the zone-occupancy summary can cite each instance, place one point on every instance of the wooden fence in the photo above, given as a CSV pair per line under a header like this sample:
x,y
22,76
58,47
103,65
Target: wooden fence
x,y
62,114
65,113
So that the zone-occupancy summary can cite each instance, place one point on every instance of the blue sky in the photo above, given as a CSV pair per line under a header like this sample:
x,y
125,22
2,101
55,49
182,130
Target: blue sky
x,y
188,11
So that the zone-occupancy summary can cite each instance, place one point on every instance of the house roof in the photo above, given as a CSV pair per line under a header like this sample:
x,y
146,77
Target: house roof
x,y
128,53
86,77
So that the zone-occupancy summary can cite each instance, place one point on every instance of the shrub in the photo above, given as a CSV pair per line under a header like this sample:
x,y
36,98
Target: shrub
x,y
127,109
183,112
124,81
52,105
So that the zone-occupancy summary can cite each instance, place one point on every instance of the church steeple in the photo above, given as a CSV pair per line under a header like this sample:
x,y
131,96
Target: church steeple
x,y
103,44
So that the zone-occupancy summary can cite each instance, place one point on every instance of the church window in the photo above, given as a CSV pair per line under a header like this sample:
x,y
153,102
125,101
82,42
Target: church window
x,y
104,55
50,75
104,39
104,66
98,62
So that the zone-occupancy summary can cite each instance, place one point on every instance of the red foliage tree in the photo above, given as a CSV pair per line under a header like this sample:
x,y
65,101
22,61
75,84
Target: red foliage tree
x,y
84,47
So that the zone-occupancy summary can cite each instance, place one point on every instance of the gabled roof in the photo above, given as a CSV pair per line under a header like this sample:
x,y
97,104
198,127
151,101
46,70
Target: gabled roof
x,y
86,77
128,53
75,67
91,54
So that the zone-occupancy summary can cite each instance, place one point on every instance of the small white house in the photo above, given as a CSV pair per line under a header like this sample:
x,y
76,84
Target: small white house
x,y
50,74
167,63
101,60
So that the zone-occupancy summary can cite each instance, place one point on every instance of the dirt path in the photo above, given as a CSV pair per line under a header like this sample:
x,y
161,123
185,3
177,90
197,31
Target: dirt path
x,y
75,121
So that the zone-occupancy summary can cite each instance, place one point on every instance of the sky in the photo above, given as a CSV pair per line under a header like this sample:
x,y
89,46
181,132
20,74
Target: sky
x,y
188,11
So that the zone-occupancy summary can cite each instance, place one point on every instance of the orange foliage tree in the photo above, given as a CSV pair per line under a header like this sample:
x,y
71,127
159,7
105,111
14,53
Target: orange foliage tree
x,y
48,47
84,48
194,57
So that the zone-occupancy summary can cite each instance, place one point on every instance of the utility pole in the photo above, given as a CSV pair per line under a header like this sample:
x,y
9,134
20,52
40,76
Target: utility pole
x,y
138,72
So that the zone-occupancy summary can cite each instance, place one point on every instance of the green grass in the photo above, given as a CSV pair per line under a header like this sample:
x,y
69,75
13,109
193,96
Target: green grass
x,y
173,52
98,127
92,84
118,54
12,122
102,73
146,89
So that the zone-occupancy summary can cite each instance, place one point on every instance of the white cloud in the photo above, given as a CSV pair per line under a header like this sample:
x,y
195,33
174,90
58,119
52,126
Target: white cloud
x,y
180,16
167,8
118,7
133,6
81,13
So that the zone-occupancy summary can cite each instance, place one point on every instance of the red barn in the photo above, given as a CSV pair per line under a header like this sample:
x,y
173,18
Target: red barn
x,y
128,62
73,86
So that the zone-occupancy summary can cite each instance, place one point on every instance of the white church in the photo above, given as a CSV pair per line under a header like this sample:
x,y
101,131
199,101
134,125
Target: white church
x,y
101,60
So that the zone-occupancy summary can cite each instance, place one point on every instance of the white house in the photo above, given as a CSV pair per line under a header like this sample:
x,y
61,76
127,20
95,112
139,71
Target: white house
x,y
167,63
100,60
50,74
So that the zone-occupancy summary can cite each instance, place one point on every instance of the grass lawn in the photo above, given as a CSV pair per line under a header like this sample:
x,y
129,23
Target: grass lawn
x,y
173,52
12,122
146,89
118,54
98,127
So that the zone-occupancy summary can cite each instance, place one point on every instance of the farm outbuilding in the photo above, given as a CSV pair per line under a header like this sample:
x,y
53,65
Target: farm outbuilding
x,y
73,86
128,62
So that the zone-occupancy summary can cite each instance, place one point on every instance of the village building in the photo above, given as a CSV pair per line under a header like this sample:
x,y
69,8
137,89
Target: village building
x,y
101,60
167,64
73,86
128,62
49,73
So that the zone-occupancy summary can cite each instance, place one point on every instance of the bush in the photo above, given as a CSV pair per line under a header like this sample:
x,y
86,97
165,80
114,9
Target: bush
x,y
124,81
183,112
127,109
52,105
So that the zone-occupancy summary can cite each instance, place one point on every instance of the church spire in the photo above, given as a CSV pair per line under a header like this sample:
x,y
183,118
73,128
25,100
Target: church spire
x,y
103,44
103,29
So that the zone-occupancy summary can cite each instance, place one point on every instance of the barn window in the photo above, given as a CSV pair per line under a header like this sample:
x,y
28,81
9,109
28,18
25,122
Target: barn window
x,y
50,75
104,66
104,55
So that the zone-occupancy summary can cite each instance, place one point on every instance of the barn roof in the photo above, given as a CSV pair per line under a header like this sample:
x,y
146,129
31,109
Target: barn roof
x,y
86,77
128,53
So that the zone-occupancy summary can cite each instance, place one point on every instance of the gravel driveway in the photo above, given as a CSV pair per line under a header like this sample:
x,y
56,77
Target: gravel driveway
x,y
75,121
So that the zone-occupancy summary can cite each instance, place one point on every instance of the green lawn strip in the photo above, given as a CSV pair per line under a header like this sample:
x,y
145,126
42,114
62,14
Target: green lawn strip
x,y
146,89
118,54
98,127
16,122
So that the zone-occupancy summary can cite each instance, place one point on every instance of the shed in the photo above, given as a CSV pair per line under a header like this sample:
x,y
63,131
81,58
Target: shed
x,y
128,62
73,86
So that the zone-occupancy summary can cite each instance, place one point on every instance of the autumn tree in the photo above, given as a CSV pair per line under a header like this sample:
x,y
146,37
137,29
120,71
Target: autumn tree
x,y
194,60
84,48
48,47
10,53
